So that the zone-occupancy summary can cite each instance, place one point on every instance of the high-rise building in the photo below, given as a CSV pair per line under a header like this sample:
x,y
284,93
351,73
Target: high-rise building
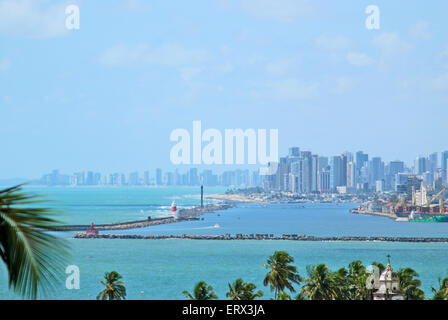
x,y
376,170
193,179
146,178
293,152
315,173
361,159
420,165
324,180
433,162
133,179
444,159
159,181
323,163
351,175
336,172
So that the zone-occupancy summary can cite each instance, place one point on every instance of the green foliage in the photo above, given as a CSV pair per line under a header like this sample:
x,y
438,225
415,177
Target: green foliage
x,y
115,289
241,290
33,257
281,273
202,291
322,284
442,292
410,286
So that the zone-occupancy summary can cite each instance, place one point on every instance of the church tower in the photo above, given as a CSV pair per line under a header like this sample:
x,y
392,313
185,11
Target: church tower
x,y
389,285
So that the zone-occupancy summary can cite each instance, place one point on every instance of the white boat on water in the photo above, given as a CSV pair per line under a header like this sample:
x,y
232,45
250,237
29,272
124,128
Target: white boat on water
x,y
216,226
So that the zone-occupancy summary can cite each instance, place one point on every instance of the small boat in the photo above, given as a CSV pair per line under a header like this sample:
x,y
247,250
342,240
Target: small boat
x,y
216,226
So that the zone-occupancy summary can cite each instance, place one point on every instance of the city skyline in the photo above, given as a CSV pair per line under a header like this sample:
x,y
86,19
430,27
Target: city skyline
x,y
299,172
107,96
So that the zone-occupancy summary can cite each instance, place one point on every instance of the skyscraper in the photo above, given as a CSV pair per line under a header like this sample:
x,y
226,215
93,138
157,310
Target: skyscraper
x,y
159,177
445,166
294,152
336,172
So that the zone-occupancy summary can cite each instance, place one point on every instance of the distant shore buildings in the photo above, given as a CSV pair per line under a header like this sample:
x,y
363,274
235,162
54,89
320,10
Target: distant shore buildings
x,y
300,172
304,172
192,177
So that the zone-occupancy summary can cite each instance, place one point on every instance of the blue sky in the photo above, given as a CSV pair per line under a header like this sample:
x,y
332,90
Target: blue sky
x,y
107,96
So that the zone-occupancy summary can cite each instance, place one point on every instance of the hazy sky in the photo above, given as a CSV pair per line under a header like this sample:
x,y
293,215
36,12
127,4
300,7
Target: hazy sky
x,y
107,96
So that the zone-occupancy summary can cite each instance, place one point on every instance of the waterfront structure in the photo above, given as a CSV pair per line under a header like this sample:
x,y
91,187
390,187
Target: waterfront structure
x,y
389,285
444,159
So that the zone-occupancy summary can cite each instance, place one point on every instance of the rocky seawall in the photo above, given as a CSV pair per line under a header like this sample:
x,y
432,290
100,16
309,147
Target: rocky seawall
x,y
183,215
291,237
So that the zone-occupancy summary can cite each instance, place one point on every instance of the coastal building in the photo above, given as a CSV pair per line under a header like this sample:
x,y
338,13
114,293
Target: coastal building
x,y
293,152
444,159
159,177
420,165
338,172
388,285
324,180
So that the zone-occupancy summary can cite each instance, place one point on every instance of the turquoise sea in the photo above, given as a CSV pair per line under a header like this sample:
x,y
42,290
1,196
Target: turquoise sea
x,y
161,269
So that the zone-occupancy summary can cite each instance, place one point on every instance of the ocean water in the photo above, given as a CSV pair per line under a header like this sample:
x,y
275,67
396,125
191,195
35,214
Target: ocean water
x,y
83,205
161,269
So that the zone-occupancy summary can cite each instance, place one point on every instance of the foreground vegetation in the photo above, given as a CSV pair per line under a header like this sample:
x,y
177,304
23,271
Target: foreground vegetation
x,y
320,283
34,258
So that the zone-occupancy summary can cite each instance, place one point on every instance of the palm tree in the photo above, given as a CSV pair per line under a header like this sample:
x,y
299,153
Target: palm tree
x,y
442,292
241,290
284,296
357,278
202,291
320,284
33,257
381,267
410,286
115,289
282,274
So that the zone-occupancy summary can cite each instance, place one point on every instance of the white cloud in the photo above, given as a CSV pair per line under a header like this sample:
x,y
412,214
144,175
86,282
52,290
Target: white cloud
x,y
278,10
291,89
420,30
168,55
391,44
359,59
34,19
332,43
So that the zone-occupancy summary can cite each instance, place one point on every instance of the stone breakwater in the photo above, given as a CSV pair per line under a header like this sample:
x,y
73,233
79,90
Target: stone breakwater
x,y
183,215
292,237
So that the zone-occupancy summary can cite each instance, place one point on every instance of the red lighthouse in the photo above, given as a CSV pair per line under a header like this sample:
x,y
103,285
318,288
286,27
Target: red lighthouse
x,y
173,207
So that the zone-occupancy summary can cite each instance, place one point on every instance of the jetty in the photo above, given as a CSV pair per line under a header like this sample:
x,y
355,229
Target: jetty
x,y
188,214
374,213
264,237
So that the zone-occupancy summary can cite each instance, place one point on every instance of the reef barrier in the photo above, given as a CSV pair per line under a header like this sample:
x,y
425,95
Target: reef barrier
x,y
292,237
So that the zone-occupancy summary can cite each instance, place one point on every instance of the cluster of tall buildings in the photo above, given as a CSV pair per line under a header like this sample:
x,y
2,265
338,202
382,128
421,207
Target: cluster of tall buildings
x,y
305,172
231,178
299,172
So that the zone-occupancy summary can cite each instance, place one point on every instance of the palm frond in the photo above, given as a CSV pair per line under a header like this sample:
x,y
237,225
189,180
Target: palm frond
x,y
33,257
